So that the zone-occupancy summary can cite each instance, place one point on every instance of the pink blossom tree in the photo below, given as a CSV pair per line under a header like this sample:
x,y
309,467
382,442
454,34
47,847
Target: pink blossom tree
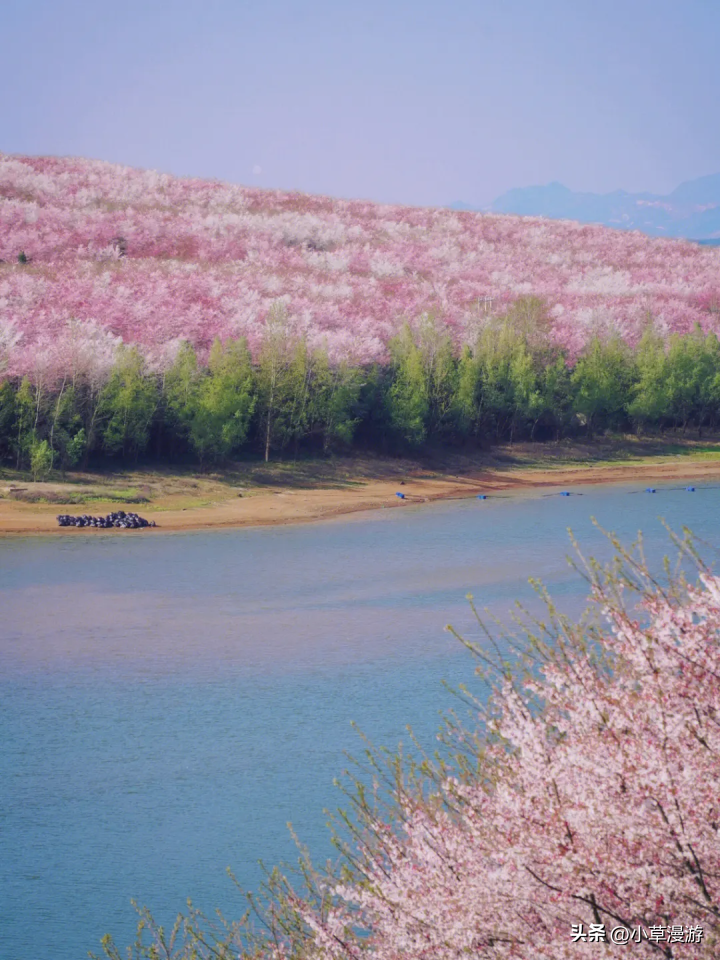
x,y
156,259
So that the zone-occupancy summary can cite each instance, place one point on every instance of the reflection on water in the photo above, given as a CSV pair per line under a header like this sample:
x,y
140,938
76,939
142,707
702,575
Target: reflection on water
x,y
169,702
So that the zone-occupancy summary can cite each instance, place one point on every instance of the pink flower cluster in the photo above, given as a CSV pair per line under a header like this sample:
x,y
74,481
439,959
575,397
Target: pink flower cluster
x,y
201,259
597,808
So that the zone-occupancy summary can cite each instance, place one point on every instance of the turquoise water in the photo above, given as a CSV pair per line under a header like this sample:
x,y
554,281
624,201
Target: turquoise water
x,y
169,702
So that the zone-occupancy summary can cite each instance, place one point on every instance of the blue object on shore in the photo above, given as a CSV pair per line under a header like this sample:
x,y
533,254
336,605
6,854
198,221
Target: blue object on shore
x,y
400,495
649,489
690,489
565,493
482,496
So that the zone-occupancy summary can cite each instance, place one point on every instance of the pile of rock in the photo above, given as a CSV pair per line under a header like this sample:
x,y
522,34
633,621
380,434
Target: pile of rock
x,y
128,521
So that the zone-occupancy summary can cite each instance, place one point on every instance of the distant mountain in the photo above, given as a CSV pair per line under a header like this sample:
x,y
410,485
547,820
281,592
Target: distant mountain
x,y
692,210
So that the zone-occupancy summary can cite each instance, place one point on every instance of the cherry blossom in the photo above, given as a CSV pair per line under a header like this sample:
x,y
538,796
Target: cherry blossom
x,y
592,802
153,258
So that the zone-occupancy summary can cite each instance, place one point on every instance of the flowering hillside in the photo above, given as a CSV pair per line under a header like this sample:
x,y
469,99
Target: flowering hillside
x,y
120,254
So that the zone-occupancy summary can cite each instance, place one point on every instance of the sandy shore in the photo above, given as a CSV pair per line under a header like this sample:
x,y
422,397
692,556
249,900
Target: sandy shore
x,y
258,506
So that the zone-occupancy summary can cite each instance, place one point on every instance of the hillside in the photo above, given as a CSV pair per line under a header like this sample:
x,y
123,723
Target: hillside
x,y
691,210
153,259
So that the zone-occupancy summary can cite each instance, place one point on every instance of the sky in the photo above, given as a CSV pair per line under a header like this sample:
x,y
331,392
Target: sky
x,y
417,102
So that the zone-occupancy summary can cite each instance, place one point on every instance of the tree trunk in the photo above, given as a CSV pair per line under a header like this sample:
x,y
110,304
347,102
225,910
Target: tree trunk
x,y
90,439
57,411
267,434
271,405
38,395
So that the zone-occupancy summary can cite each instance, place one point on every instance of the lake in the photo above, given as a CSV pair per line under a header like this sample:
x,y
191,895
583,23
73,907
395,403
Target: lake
x,y
168,702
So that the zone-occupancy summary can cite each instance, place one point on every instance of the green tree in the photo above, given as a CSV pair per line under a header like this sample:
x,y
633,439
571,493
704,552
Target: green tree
x,y
68,439
499,389
438,360
335,393
601,379
180,393
555,389
128,405
88,390
74,449
295,416
374,427
220,406
504,385
709,400
506,371
466,402
524,388
649,402
528,319
7,417
408,397
273,375
24,422
41,460
691,370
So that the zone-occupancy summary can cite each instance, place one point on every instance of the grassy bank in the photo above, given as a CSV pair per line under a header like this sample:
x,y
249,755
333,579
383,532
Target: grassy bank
x,y
254,492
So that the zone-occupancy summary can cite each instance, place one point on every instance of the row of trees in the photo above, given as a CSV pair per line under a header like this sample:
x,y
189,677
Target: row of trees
x,y
513,383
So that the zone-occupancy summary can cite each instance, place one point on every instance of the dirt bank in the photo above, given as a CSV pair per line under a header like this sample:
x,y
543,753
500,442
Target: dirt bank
x,y
290,493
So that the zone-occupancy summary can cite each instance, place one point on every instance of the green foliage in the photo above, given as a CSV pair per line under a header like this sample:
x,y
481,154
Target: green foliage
x,y
408,401
180,388
421,399
602,378
683,377
509,395
127,405
438,360
709,402
219,406
7,417
373,427
529,321
293,420
693,382
509,383
466,401
75,448
555,397
67,436
41,460
650,398
334,401
24,433
275,379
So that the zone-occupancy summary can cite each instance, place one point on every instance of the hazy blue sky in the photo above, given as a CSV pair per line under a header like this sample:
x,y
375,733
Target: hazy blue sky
x,y
415,102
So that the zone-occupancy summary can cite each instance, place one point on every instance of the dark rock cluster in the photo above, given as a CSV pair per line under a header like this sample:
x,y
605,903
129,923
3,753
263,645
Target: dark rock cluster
x,y
128,521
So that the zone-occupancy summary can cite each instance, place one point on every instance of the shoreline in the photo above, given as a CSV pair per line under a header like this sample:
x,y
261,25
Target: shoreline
x,y
282,504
